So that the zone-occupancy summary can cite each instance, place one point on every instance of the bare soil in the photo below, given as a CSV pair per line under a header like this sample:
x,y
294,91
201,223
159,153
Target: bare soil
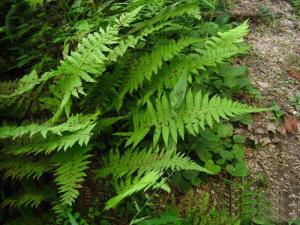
x,y
275,50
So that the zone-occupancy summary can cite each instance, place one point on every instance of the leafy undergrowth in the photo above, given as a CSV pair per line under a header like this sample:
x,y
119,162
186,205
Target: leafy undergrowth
x,y
105,105
296,5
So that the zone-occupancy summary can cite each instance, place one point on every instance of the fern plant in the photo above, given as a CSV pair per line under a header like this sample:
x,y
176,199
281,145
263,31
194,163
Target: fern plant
x,y
132,86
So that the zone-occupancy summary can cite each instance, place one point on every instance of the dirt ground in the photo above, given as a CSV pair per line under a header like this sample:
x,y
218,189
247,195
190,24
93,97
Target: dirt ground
x,y
274,155
275,41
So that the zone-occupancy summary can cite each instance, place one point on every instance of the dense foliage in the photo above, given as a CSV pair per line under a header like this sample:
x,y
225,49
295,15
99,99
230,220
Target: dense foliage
x,y
117,94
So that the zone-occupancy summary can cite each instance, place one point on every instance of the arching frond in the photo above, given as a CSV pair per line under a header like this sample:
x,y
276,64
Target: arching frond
x,y
129,186
26,84
215,51
70,172
145,161
197,111
28,199
90,59
178,9
150,63
19,168
52,143
73,124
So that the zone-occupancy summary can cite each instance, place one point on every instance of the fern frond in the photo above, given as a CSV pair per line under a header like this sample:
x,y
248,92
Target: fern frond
x,y
52,143
216,50
127,18
181,8
19,168
122,47
233,36
62,142
90,59
197,111
31,199
26,84
70,172
130,186
150,63
74,123
145,161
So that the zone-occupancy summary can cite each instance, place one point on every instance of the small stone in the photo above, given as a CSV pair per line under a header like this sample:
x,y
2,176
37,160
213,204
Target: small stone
x,y
265,141
271,127
238,131
254,138
264,85
260,131
250,127
281,129
276,140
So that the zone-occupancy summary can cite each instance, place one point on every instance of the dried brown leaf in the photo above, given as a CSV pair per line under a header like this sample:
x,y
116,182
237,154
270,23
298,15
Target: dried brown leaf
x,y
291,124
294,74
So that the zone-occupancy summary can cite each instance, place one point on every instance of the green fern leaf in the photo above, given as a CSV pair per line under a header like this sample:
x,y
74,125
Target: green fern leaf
x,y
197,111
145,161
131,186
73,124
28,199
70,172
23,167
90,59
52,143
178,9
150,63
215,51
26,84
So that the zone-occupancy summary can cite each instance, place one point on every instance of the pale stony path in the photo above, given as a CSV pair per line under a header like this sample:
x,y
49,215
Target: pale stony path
x,y
275,49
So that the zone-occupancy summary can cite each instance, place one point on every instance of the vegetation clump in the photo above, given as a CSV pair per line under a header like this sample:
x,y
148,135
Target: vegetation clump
x,y
130,98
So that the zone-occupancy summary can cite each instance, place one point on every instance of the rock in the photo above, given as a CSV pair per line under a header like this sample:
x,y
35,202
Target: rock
x,y
254,138
281,129
276,140
239,131
271,127
265,141
260,131
263,85
250,127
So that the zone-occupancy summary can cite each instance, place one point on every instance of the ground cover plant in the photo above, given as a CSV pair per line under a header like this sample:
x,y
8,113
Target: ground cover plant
x,y
125,97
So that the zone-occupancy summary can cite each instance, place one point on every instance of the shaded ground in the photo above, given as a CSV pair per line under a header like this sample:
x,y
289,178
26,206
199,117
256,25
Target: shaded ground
x,y
275,50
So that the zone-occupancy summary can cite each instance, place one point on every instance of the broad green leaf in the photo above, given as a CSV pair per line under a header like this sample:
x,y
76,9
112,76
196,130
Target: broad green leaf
x,y
212,167
239,170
